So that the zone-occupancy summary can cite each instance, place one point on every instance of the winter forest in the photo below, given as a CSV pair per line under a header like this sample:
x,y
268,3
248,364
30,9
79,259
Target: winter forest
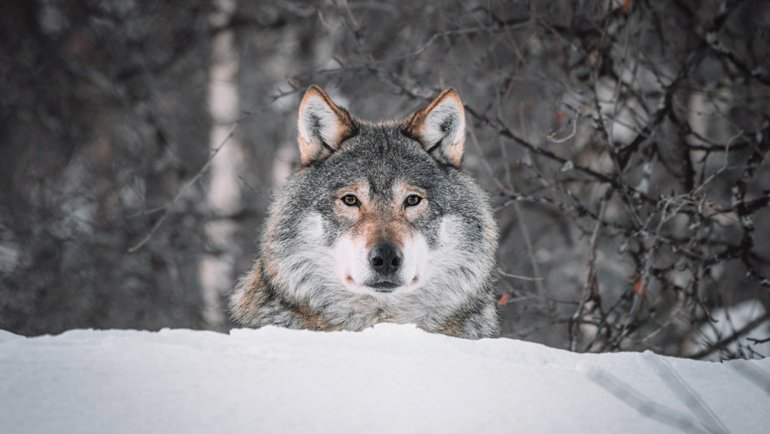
x,y
624,145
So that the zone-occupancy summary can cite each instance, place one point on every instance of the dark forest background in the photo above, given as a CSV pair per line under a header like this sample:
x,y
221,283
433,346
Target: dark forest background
x,y
624,145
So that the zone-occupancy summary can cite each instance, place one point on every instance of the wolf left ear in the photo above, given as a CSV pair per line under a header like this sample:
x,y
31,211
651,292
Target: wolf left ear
x,y
440,128
322,125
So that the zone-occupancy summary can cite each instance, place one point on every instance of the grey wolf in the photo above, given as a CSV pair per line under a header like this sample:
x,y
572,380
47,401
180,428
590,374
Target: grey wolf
x,y
379,224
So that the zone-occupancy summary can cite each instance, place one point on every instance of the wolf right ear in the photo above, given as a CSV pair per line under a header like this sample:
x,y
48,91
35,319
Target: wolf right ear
x,y
322,125
440,128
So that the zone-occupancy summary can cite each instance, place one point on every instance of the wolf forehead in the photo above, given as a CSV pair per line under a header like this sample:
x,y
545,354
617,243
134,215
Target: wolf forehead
x,y
381,157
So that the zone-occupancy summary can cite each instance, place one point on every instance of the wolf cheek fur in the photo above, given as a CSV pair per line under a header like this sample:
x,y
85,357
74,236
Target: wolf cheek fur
x,y
379,224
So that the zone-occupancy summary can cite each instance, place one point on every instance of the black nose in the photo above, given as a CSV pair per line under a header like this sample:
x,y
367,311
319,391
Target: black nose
x,y
385,258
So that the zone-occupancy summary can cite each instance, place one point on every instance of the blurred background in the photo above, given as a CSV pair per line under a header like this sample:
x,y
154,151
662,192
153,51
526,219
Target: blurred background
x,y
624,144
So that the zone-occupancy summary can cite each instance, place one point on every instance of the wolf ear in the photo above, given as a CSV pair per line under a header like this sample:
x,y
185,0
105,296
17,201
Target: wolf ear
x,y
440,128
323,126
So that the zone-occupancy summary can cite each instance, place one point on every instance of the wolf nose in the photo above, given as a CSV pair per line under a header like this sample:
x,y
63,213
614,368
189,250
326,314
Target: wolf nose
x,y
385,258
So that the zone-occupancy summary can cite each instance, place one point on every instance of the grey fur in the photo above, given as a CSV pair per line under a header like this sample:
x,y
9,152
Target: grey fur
x,y
290,284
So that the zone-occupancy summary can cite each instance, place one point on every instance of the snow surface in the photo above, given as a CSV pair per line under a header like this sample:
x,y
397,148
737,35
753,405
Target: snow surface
x,y
387,379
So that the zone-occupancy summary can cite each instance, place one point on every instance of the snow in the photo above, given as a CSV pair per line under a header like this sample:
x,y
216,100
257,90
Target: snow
x,y
391,378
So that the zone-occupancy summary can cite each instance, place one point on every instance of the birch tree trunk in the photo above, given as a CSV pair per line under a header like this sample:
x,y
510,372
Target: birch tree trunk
x,y
224,194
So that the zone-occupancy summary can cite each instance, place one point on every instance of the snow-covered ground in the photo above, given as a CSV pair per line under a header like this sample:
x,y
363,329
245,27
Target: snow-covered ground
x,y
387,379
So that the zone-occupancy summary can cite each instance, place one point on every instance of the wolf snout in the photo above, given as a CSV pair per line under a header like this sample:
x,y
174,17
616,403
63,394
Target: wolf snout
x,y
385,259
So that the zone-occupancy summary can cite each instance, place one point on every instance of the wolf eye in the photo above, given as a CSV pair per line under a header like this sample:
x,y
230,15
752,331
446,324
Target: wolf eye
x,y
350,200
412,200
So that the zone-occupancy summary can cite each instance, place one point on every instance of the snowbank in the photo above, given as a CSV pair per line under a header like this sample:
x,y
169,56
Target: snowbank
x,y
387,379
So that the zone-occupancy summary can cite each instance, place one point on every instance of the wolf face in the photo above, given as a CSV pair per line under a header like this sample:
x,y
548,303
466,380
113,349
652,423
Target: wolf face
x,y
382,249
380,224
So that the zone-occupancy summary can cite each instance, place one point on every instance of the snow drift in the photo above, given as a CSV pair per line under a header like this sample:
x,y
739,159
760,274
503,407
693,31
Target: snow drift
x,y
387,379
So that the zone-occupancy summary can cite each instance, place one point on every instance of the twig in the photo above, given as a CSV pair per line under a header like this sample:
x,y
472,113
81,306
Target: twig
x,y
169,206
722,343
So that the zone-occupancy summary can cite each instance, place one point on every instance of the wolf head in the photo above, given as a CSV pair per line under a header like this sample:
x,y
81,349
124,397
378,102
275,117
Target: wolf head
x,y
380,216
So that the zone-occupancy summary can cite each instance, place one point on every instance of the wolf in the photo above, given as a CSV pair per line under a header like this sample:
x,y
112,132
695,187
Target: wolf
x,y
378,224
